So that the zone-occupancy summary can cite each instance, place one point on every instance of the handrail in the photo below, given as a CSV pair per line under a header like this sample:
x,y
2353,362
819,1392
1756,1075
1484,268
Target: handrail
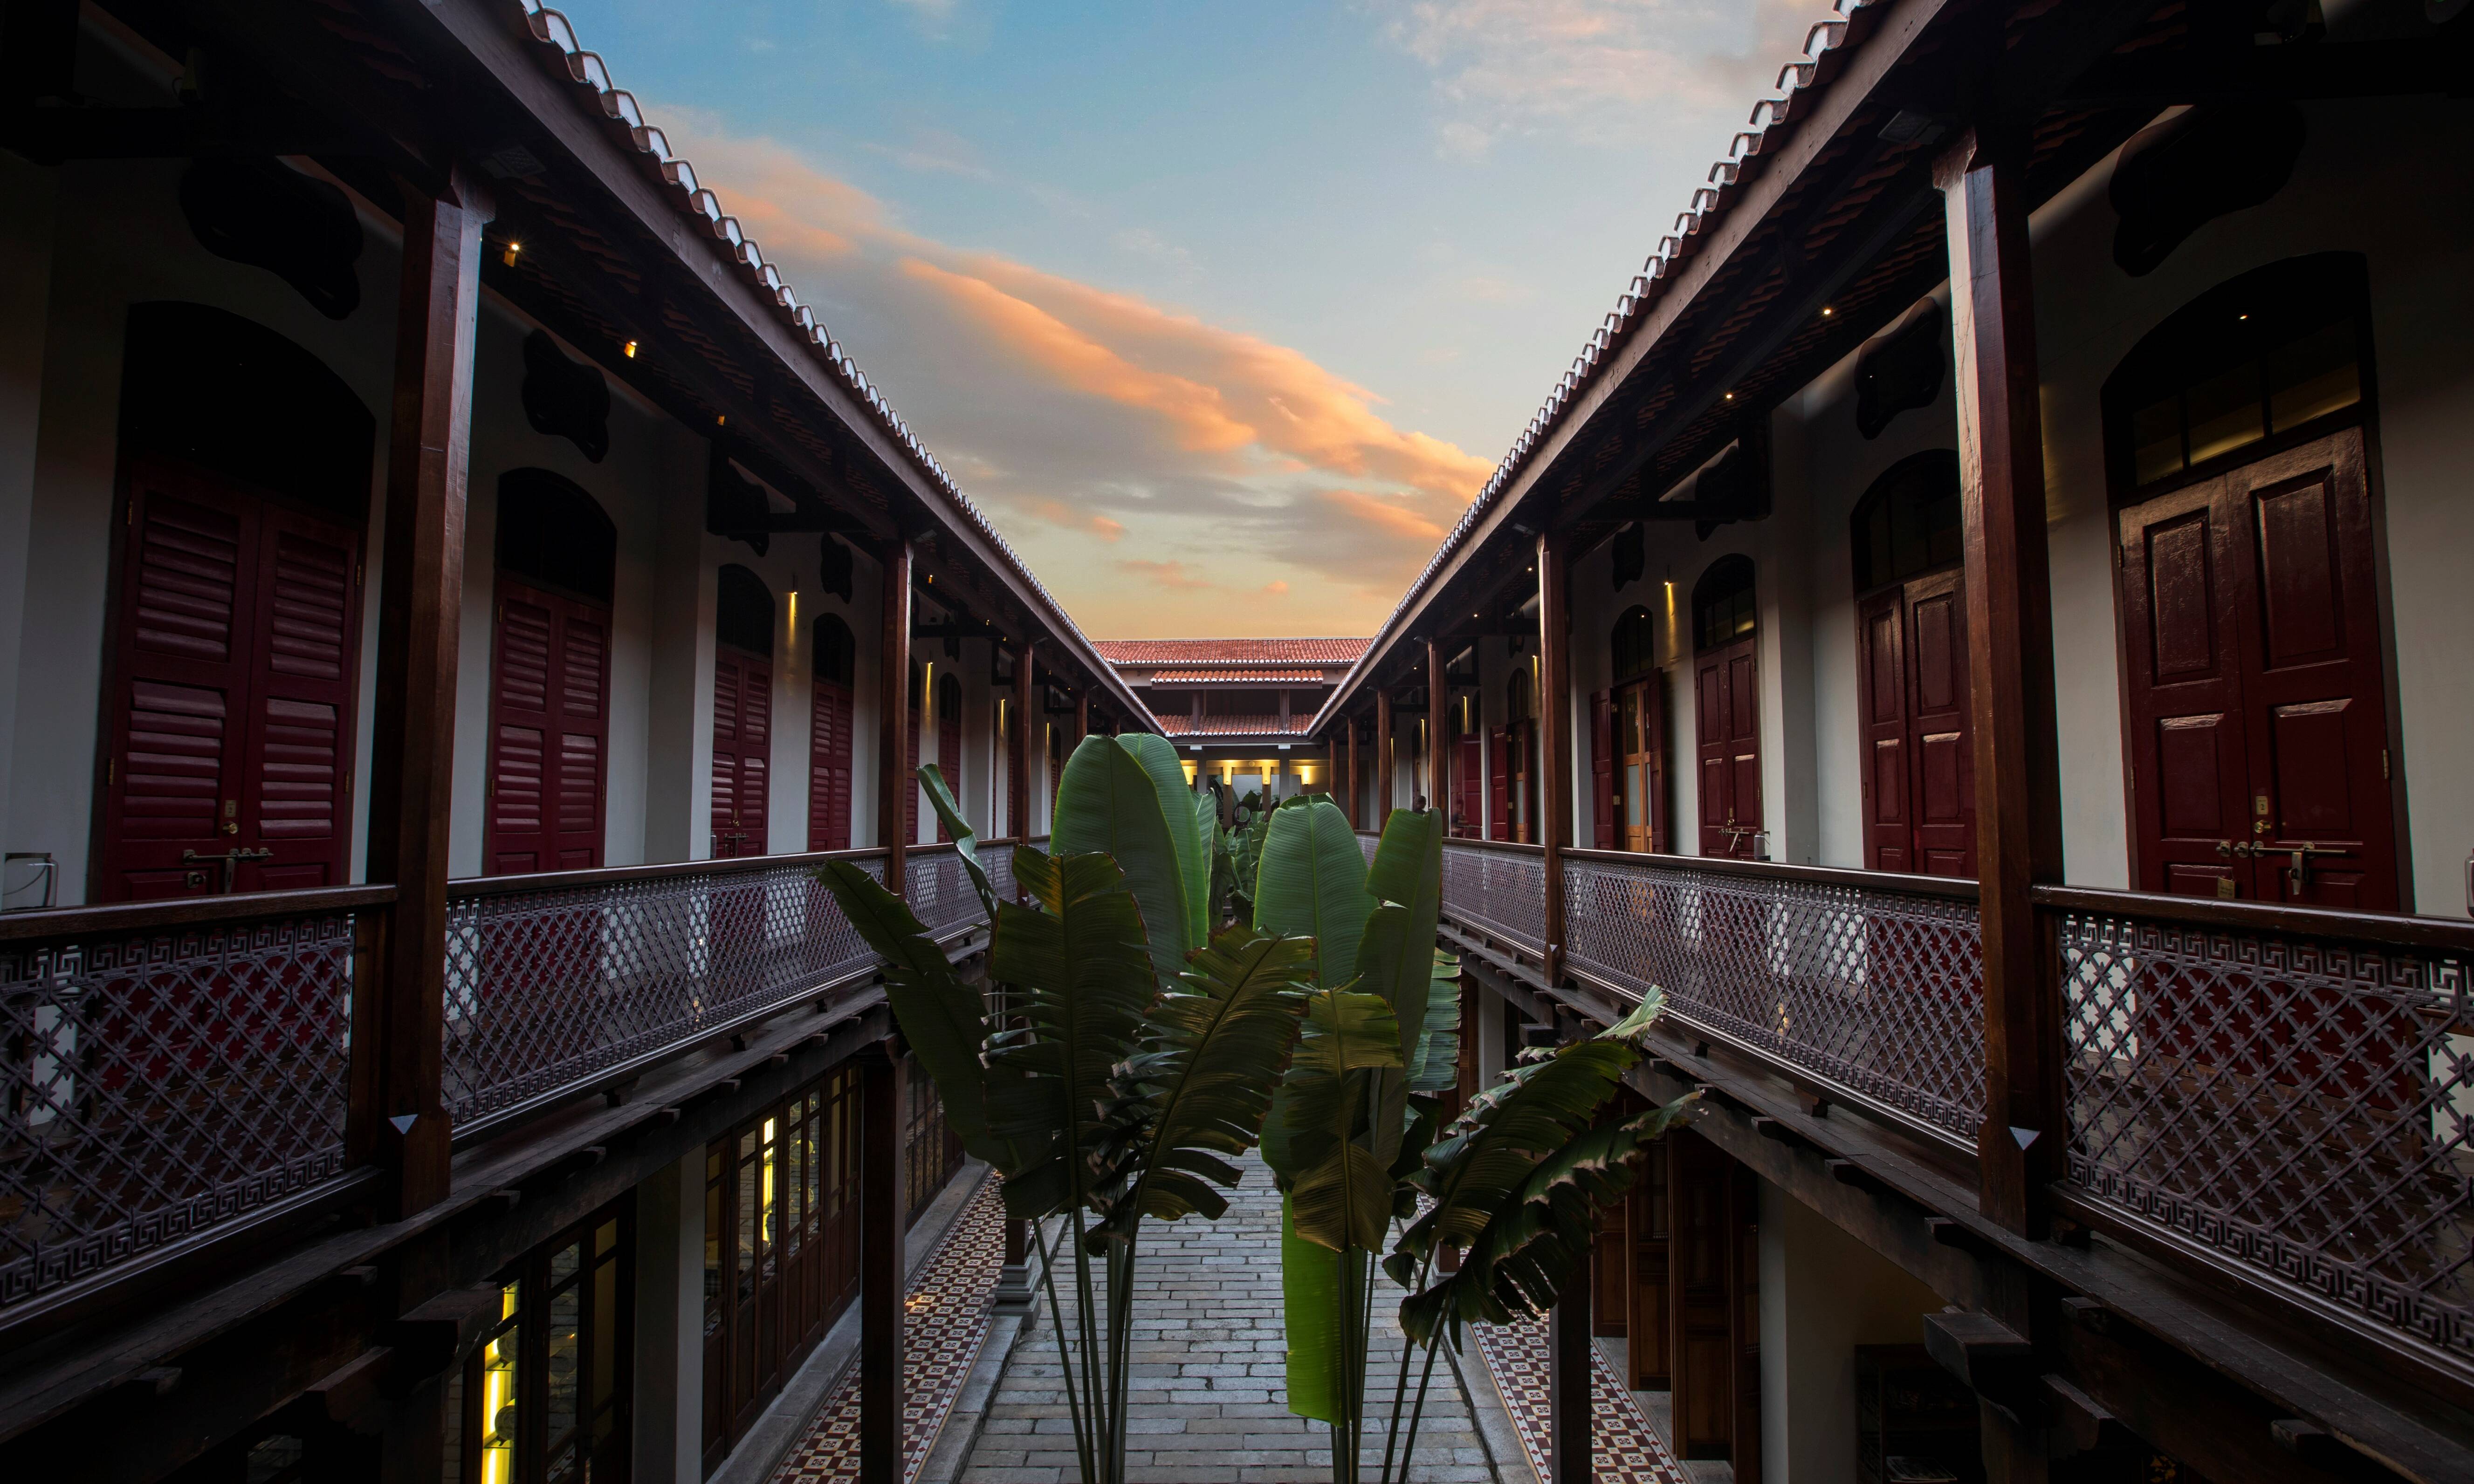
x,y
462,887
1507,846
1956,887
2444,935
125,917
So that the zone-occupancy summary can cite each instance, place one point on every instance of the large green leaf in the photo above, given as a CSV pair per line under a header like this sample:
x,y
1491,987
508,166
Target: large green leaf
x,y
1083,980
1158,757
1194,1094
1311,883
1435,1065
967,844
1312,1321
1339,1180
1107,804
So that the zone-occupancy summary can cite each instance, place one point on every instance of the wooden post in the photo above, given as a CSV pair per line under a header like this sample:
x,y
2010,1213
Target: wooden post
x,y
1568,1384
1438,702
1387,760
879,1266
1554,739
421,602
2010,667
893,705
1025,700
1349,734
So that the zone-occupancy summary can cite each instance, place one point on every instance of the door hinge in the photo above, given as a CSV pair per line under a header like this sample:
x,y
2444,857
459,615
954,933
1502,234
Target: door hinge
x,y
111,772
2383,764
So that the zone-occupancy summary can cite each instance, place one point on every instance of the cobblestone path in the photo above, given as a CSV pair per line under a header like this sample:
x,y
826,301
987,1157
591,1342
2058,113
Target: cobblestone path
x,y
1207,1402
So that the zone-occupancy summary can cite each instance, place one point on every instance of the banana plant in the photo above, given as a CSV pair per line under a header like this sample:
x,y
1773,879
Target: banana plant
x,y
1132,1057
1357,1142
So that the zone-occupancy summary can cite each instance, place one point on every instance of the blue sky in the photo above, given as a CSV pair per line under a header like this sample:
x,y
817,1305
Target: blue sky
x,y
1222,313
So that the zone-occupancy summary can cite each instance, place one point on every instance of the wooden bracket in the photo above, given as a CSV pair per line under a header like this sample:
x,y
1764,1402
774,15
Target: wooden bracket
x,y
1847,1172
2088,1424
350,1396
436,1334
1991,1358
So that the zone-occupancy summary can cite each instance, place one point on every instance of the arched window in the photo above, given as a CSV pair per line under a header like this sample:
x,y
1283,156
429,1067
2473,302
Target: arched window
x,y
549,713
2276,358
554,535
1635,644
743,712
1907,524
1722,603
1520,696
834,654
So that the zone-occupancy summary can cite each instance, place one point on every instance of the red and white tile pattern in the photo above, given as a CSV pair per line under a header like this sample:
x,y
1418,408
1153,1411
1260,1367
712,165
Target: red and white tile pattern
x,y
1623,1449
944,1323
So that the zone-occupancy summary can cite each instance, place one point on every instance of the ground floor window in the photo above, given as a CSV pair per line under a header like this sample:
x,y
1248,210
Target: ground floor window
x,y
543,1399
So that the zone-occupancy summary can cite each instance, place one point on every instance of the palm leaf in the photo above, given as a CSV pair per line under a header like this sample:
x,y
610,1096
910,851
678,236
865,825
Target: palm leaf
x,y
1312,1322
967,844
1435,1065
1158,758
1108,804
1339,1177
1311,883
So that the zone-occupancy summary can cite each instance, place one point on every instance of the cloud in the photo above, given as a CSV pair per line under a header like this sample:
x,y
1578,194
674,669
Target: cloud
x,y
1276,588
1085,419
1596,71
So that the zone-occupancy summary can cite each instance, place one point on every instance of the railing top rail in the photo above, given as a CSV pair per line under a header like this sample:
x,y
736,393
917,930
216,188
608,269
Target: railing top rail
x,y
2444,935
48,922
1508,847
1956,887
608,876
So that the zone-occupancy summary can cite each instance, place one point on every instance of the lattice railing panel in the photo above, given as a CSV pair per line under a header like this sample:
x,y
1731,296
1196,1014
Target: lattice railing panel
x,y
1367,842
1501,892
2302,1107
160,1081
545,989
997,860
1877,990
938,891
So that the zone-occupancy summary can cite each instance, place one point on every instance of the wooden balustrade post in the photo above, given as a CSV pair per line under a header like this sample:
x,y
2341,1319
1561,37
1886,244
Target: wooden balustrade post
x,y
420,602
1438,702
1387,760
2010,667
1349,735
883,1194
1554,736
893,708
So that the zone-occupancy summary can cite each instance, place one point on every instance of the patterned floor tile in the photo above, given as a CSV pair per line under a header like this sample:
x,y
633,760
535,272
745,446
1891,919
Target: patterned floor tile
x,y
1623,1449
944,1324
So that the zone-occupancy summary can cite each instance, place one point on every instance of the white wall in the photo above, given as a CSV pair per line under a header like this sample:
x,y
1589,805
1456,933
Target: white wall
x,y
26,235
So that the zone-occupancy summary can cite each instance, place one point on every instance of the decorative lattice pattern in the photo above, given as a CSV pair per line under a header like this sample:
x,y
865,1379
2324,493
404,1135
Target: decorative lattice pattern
x,y
160,1082
1877,990
1367,842
1498,892
938,890
548,987
2301,1107
997,860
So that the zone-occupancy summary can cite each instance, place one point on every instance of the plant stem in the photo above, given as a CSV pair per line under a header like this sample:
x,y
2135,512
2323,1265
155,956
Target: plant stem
x,y
1064,1351
1094,1354
1424,1379
1401,1388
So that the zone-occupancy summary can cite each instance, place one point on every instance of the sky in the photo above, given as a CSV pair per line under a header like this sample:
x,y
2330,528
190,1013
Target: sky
x,y
1222,313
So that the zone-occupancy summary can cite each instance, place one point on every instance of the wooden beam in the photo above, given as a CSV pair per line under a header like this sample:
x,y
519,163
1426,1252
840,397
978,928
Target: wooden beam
x,y
1554,735
893,711
1438,703
881,1267
2010,668
421,604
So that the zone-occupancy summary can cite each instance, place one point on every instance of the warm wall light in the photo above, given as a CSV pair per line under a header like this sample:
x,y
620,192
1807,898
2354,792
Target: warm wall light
x,y
628,350
1827,311
508,258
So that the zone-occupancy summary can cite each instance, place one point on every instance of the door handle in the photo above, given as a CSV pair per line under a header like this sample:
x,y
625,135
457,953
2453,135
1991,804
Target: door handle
x,y
232,860
2297,875
2236,849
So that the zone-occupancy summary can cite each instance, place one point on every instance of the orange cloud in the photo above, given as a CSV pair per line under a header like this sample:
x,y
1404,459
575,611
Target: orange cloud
x,y
1171,575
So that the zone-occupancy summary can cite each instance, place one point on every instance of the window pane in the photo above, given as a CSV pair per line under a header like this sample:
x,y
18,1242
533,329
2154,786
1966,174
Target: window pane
x,y
499,1377
1635,794
2313,376
565,1360
2156,431
2225,413
606,1338
1941,530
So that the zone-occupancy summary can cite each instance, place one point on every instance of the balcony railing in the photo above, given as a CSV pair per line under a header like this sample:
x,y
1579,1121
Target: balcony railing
x,y
2288,1092
1873,984
1498,888
171,1068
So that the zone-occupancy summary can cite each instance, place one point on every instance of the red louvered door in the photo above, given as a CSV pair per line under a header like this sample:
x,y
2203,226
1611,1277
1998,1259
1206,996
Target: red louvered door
x,y
742,751
910,771
549,732
236,654
829,768
1602,771
1727,715
1499,784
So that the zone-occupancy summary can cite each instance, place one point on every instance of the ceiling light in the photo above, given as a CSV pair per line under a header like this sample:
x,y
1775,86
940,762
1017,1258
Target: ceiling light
x,y
1827,311
629,351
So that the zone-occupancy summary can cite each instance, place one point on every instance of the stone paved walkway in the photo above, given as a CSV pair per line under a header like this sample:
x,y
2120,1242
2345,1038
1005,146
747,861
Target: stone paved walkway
x,y
1207,1401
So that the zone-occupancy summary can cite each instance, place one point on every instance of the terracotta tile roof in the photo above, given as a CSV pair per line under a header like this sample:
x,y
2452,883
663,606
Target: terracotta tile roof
x,y
1237,678
1232,725
1230,651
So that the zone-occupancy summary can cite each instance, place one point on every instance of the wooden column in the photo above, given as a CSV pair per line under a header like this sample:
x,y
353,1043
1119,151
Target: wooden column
x,y
1348,736
1387,758
893,708
1568,1384
1026,702
2010,668
1437,703
879,1266
405,1126
1554,736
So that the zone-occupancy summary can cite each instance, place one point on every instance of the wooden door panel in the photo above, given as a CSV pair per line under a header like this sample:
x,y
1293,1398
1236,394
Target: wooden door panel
x,y
1648,1330
1889,829
173,778
2183,716
1469,769
829,768
742,727
1701,1344
1498,782
549,732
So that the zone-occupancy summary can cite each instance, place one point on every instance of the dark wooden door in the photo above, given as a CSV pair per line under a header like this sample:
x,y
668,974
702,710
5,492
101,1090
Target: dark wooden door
x,y
1920,774
1498,783
1640,767
1602,771
1702,1306
742,750
1744,1285
549,732
228,745
1469,787
1648,1332
829,767
1727,723
2255,685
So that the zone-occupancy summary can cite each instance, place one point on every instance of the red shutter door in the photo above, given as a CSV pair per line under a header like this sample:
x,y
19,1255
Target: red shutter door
x,y
1727,724
1499,784
1943,772
549,733
911,774
1468,766
234,677
1603,747
742,739
1880,632
1744,742
829,768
